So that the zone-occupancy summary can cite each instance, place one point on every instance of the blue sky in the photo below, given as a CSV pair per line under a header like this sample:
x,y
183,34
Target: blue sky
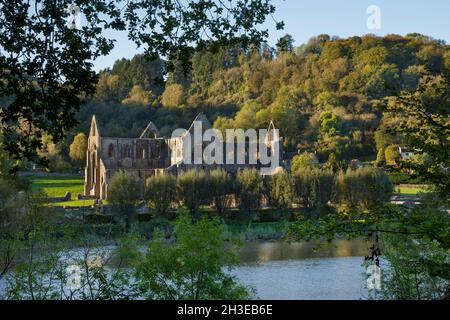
x,y
304,19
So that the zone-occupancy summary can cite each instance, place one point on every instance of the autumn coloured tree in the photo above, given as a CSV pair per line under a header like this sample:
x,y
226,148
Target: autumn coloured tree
x,y
77,149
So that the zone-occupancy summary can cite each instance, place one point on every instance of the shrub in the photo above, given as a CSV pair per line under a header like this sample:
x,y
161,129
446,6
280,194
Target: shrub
x,y
148,228
304,160
161,191
274,215
392,155
249,189
333,163
314,187
399,177
364,188
58,164
95,218
124,191
281,190
193,189
192,267
144,217
221,186
104,230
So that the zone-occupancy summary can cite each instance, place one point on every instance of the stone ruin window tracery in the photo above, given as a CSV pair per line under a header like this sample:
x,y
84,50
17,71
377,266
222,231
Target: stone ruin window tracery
x,y
127,151
142,153
111,151
157,153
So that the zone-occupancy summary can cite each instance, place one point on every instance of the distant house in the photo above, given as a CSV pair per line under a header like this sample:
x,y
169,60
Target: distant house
x,y
405,153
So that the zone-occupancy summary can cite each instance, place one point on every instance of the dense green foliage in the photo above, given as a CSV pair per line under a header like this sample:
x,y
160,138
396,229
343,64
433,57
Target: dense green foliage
x,y
324,97
418,269
426,127
392,155
314,187
221,186
124,191
77,150
415,238
363,189
304,160
192,268
249,189
161,191
46,68
281,190
193,189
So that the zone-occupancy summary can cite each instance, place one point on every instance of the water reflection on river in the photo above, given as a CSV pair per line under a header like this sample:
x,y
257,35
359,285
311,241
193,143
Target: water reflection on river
x,y
258,252
280,270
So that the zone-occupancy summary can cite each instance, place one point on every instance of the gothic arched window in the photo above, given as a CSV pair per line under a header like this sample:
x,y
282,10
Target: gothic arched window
x,y
111,151
157,154
127,151
142,153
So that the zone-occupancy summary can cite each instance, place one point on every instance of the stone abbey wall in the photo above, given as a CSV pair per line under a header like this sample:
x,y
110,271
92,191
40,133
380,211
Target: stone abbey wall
x,y
143,157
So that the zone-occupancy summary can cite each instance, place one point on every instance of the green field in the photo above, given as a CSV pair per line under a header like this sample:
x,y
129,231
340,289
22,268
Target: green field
x,y
57,186
407,189
73,203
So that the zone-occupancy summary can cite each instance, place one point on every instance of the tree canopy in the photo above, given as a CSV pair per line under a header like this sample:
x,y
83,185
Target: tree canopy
x,y
46,68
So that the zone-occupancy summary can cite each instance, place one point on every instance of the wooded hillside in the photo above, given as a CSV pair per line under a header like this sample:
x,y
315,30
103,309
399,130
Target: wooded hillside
x,y
322,95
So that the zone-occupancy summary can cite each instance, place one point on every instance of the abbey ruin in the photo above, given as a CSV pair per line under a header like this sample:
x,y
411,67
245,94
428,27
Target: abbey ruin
x,y
151,154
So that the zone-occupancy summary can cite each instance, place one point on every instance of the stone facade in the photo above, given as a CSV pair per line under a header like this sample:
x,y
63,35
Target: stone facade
x,y
145,156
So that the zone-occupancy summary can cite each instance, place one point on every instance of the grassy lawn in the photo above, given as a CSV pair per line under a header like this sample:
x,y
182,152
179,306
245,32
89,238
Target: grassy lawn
x,y
73,203
405,189
57,186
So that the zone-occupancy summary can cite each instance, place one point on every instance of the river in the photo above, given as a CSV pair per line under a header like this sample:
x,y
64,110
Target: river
x,y
281,270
